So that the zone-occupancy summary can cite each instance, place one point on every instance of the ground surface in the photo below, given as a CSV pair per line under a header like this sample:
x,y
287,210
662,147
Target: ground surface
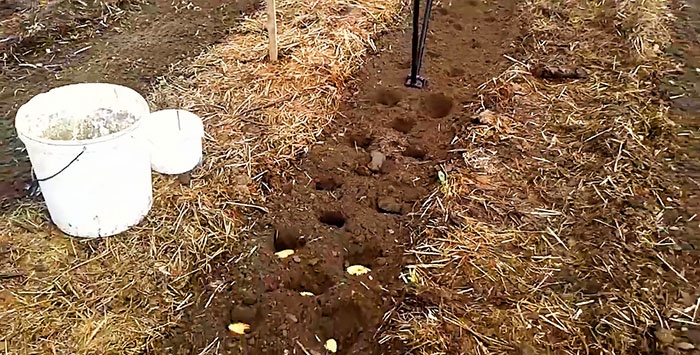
x,y
369,194
350,213
687,106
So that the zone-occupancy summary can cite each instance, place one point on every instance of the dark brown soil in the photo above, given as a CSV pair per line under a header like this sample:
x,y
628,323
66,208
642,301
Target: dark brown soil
x,y
334,211
361,139
78,45
456,72
388,97
10,190
687,107
328,183
333,218
352,211
438,105
288,238
414,151
403,124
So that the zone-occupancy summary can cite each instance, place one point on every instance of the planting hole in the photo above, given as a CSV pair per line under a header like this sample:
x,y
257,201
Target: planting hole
x,y
403,124
327,183
287,238
415,152
387,97
332,218
361,140
438,105
309,280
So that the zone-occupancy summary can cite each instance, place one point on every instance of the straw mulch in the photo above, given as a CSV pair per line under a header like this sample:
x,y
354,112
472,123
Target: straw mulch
x,y
120,295
548,235
263,115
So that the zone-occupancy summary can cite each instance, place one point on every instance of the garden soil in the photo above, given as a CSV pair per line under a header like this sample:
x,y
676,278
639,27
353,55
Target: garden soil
x,y
351,199
687,109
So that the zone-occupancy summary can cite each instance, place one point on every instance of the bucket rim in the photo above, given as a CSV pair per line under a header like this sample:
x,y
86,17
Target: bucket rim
x,y
195,130
195,118
76,143
82,142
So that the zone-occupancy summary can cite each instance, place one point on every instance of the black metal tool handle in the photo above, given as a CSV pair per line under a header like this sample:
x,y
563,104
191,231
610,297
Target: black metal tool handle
x,y
424,32
418,44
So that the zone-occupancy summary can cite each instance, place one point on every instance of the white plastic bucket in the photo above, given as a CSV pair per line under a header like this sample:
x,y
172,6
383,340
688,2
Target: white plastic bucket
x,y
175,137
90,157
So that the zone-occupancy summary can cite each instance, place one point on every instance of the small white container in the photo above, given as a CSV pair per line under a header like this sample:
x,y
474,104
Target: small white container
x,y
89,156
175,138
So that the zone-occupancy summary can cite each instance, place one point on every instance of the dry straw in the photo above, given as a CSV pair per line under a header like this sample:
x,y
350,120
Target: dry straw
x,y
548,236
120,295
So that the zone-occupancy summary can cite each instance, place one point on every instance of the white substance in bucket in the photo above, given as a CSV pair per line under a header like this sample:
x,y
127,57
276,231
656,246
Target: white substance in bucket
x,y
107,189
96,125
176,140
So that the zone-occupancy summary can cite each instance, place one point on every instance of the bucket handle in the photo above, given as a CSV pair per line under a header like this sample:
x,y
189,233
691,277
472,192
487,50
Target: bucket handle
x,y
34,184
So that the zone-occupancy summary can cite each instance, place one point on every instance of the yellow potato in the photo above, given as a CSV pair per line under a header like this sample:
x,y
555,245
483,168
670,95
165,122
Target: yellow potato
x,y
358,270
238,328
284,253
331,345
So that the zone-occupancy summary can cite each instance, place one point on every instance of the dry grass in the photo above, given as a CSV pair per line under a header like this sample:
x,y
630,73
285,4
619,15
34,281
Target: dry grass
x,y
566,249
120,295
267,114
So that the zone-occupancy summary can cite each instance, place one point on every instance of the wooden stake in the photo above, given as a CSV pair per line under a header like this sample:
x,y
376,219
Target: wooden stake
x,y
272,29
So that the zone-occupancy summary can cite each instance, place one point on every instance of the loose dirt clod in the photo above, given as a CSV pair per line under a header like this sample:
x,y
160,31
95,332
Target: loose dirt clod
x,y
378,158
250,299
363,170
389,205
328,183
694,335
332,218
7,300
414,151
185,178
388,167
